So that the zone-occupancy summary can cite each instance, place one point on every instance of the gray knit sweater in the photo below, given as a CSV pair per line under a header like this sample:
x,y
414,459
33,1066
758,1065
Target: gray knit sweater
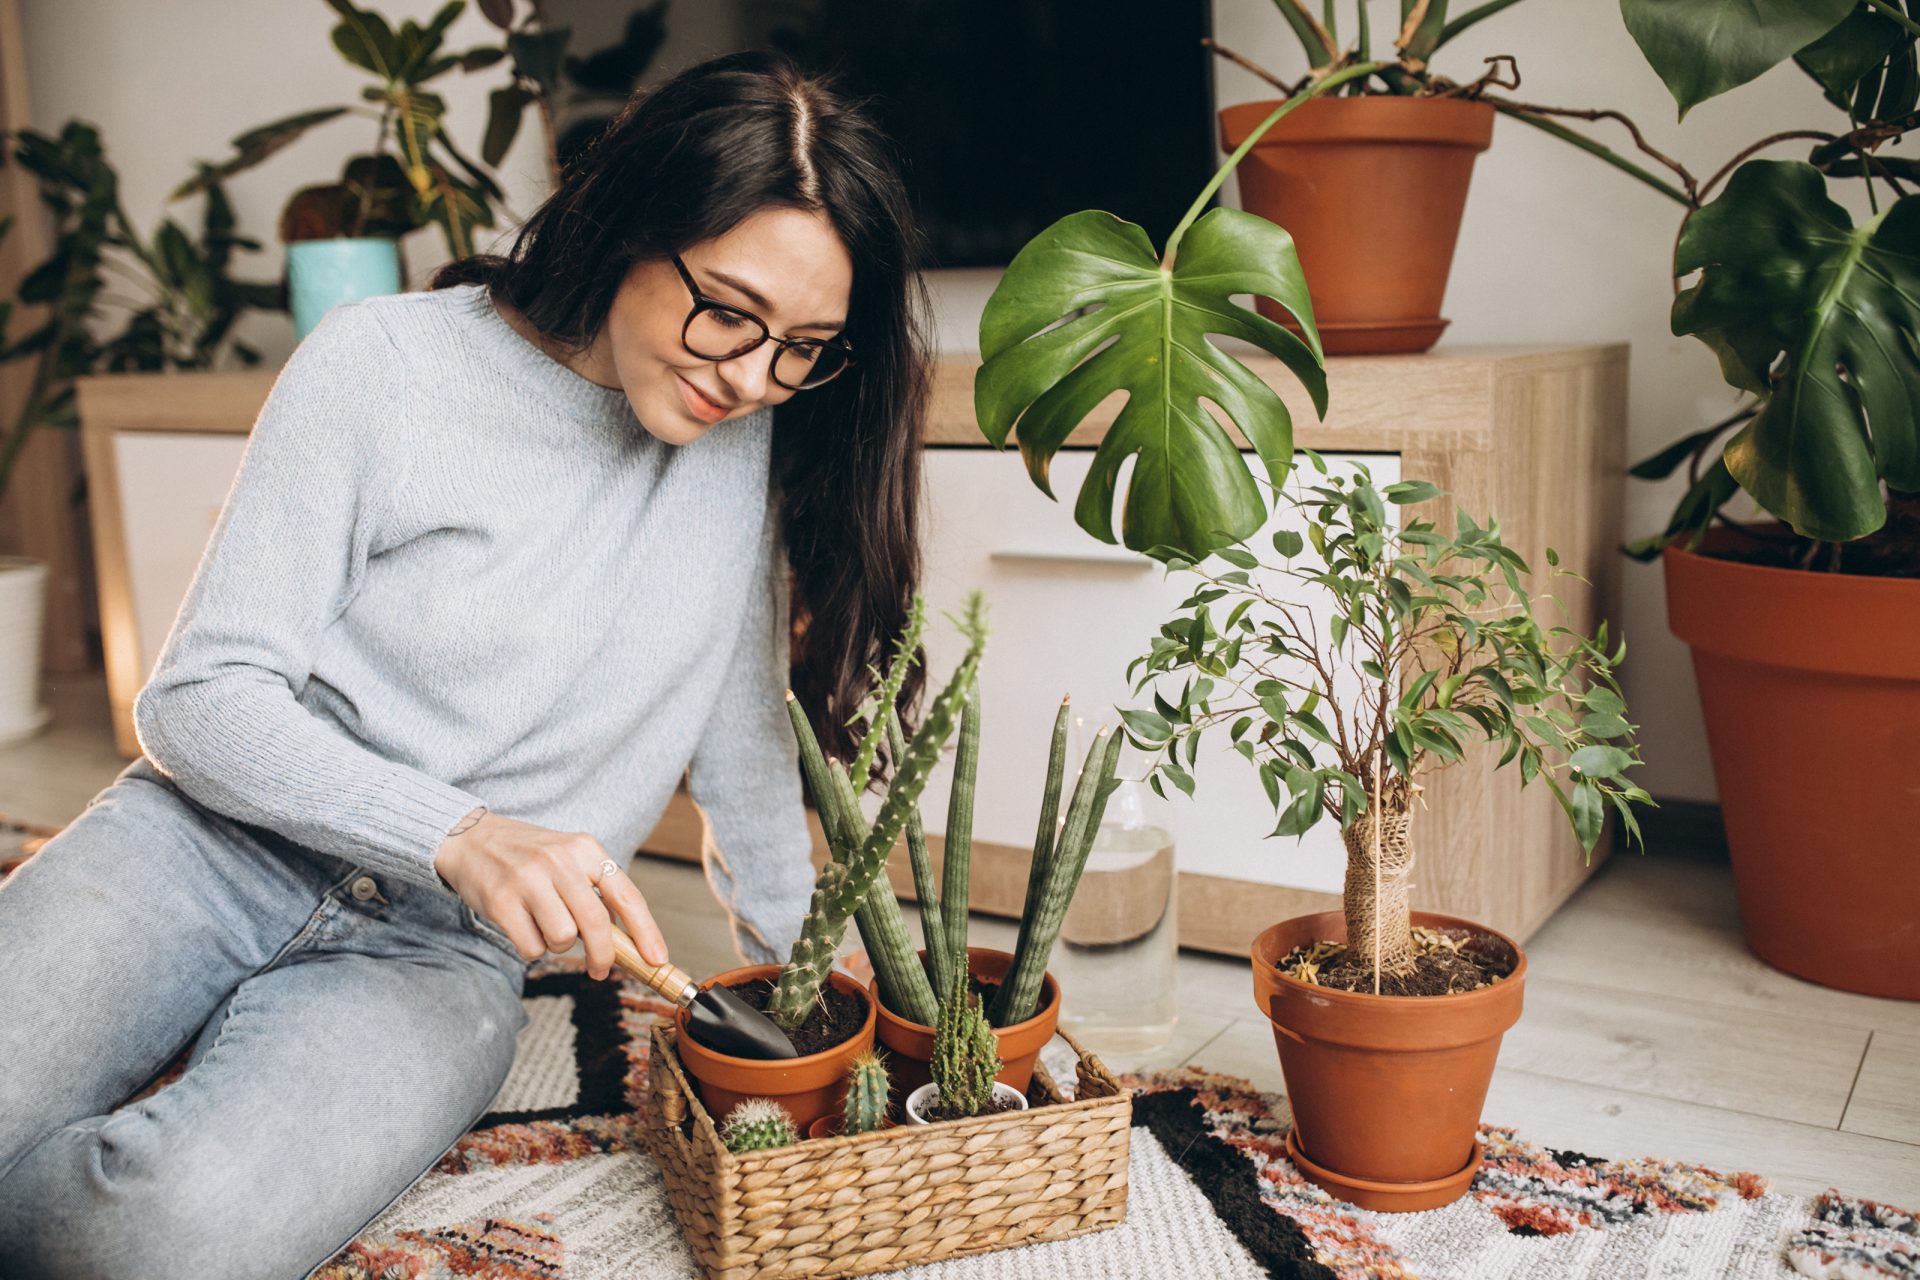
x,y
452,572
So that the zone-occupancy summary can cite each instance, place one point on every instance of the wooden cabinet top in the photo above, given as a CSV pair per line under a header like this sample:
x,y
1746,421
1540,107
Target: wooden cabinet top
x,y
1376,403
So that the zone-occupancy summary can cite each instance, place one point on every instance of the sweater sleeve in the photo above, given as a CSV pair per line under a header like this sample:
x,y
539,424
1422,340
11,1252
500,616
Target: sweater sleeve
x,y
746,775
219,715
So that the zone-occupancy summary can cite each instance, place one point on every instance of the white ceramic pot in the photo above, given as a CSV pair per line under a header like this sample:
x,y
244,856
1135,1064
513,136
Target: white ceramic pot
x,y
23,607
924,1097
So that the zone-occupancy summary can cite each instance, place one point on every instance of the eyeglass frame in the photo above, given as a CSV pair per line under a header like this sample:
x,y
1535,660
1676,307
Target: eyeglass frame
x,y
702,302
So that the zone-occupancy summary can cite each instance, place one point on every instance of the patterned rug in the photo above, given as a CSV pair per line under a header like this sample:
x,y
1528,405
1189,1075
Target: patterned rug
x,y
554,1182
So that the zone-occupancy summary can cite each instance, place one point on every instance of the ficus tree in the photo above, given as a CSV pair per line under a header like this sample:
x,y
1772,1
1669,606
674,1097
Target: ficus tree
x,y
1423,643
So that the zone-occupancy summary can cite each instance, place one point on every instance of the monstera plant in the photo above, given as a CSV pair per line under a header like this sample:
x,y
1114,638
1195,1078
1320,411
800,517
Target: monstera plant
x,y
1810,313
1813,314
1088,308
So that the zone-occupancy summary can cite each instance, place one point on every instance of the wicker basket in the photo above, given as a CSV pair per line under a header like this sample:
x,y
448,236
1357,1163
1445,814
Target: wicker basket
x,y
911,1194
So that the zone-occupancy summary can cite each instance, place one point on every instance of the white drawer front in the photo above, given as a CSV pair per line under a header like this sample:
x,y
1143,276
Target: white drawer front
x,y
1067,614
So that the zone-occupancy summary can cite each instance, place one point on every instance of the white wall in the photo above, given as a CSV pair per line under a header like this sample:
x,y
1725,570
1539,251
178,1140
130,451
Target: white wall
x,y
1556,247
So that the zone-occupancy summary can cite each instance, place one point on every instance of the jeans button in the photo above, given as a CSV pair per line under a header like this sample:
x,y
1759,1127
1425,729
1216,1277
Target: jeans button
x,y
363,888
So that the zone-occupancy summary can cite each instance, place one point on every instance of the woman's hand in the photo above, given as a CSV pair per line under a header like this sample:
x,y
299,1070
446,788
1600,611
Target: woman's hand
x,y
538,887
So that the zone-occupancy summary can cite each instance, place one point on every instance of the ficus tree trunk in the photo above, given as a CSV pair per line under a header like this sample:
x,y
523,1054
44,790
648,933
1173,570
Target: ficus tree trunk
x,y
1379,865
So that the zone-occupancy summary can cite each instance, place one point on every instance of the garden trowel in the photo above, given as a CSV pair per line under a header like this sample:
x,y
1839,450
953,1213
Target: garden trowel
x,y
716,1017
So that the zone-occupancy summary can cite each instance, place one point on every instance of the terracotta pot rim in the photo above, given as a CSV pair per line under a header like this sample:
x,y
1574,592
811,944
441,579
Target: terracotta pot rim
x,y
1757,571
1049,997
1337,998
1371,119
747,973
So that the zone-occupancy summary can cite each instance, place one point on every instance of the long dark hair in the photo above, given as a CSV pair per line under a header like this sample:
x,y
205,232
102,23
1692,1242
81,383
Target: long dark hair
x,y
689,160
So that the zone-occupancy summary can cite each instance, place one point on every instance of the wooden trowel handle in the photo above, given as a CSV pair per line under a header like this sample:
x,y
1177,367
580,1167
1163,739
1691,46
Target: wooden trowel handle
x,y
669,979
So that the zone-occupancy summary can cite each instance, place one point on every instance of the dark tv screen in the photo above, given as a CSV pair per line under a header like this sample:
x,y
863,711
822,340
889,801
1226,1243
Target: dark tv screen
x,y
1010,114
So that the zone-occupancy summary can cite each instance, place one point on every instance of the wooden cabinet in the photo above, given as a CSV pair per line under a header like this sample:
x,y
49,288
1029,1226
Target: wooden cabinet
x,y
1534,436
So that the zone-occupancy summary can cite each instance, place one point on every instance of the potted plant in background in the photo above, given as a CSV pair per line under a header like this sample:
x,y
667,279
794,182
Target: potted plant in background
x,y
182,318
1387,1020
343,238
1805,620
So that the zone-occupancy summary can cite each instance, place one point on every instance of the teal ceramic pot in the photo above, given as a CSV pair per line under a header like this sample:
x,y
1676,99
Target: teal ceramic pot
x,y
322,274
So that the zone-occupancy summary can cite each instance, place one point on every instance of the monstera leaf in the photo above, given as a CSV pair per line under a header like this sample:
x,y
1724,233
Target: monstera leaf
x,y
1148,334
1705,47
1822,316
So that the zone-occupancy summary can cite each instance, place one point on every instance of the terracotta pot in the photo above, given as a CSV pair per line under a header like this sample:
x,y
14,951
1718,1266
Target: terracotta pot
x,y
1811,687
910,1044
808,1087
1385,1090
1371,189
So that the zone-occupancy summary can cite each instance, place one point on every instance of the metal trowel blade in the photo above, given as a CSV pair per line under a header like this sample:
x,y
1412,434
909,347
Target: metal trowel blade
x,y
725,1023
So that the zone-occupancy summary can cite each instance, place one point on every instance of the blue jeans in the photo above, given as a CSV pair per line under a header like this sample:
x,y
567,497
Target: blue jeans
x,y
345,1030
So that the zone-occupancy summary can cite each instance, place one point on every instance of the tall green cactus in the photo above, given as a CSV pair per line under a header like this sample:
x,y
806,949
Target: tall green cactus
x,y
932,926
844,882
966,1056
866,1106
957,864
903,982
1058,878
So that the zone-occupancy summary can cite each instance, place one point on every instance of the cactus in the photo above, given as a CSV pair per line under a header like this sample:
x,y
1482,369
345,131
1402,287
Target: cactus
x,y
957,865
758,1124
866,1105
844,881
966,1056
903,982
924,888
1050,886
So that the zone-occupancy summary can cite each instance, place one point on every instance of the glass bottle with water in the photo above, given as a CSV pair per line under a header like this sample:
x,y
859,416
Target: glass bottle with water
x,y
1115,956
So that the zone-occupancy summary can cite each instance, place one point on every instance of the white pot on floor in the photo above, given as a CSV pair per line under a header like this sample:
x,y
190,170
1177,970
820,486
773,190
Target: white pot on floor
x,y
23,606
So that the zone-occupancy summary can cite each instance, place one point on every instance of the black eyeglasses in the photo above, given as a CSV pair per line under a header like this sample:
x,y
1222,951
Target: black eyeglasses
x,y
716,331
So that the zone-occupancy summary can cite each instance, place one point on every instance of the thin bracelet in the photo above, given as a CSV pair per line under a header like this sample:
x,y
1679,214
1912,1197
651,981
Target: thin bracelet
x,y
461,827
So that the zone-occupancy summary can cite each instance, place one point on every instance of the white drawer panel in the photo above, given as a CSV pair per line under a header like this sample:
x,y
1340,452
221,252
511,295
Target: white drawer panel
x,y
1067,614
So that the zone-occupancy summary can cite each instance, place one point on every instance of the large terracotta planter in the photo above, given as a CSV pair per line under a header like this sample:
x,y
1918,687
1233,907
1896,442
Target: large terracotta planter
x,y
1811,687
1385,1090
1372,190
909,1045
808,1087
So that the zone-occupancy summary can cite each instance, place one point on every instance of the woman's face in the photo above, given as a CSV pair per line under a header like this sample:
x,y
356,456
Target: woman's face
x,y
786,266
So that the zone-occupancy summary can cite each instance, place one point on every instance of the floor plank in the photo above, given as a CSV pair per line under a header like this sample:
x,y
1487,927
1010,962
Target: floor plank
x,y
1886,1098
1616,1123
1688,1050
1664,926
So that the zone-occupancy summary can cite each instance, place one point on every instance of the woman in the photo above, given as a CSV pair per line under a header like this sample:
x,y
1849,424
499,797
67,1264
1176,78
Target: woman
x,y
501,561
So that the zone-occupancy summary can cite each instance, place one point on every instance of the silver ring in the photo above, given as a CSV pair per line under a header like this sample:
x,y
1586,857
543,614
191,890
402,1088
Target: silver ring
x,y
607,868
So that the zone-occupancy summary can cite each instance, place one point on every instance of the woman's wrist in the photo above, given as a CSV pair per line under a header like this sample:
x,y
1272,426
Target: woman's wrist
x,y
459,828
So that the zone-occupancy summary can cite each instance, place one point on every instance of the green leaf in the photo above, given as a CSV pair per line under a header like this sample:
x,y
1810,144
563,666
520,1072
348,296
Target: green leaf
x,y
1783,269
1599,761
1589,813
1049,362
1839,59
1596,725
504,109
1701,48
1237,558
364,39
538,55
1288,543
1147,726
255,145
1407,492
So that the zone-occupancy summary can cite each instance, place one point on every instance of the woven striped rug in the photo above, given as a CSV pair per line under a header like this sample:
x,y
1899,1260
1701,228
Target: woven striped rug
x,y
554,1182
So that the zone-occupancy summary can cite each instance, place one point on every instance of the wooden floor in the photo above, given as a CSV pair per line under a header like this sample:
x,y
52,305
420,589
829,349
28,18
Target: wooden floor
x,y
1649,1029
